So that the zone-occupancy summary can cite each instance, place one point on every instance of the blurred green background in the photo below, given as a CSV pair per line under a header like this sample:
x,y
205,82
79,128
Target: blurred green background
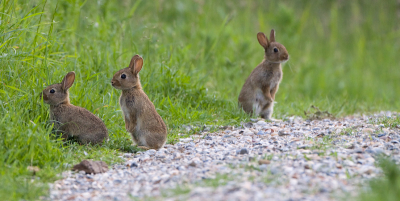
x,y
197,55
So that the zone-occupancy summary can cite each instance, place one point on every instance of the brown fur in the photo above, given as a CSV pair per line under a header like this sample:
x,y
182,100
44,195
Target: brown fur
x,y
141,118
258,92
70,119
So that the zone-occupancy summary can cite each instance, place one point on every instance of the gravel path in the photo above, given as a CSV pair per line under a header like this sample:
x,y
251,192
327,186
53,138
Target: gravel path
x,y
290,160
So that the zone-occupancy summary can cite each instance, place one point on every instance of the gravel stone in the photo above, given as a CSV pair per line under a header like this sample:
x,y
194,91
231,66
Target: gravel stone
x,y
243,151
260,160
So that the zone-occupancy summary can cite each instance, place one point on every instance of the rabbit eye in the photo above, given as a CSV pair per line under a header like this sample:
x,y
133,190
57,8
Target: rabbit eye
x,y
123,76
275,49
52,91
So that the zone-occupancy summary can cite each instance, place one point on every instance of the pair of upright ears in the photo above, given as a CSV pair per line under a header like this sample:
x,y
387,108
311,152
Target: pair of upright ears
x,y
263,40
136,64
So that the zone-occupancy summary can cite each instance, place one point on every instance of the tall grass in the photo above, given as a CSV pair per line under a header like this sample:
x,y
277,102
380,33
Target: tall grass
x,y
197,54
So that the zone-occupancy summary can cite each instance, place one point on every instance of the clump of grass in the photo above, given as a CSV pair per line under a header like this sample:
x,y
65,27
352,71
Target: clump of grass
x,y
391,122
386,188
317,114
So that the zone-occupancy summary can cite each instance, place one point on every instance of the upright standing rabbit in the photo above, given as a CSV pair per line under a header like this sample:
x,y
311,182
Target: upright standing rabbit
x,y
70,119
141,118
258,92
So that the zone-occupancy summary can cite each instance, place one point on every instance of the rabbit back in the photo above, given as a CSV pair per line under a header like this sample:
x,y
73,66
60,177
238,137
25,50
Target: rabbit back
x,y
78,122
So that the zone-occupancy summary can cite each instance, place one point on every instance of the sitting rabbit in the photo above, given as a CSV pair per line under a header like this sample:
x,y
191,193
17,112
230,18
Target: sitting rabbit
x,y
258,92
71,120
142,121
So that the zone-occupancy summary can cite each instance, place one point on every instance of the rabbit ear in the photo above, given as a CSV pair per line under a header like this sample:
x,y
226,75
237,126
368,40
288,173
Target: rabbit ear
x,y
68,81
272,35
136,64
262,39
132,64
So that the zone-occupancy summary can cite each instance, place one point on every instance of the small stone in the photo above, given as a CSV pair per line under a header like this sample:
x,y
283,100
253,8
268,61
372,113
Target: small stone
x,y
89,167
133,165
274,134
33,169
243,151
381,135
282,133
248,125
177,155
261,133
184,140
151,152
208,138
368,130
263,161
187,128
323,190
349,163
248,132
206,128
359,151
261,123
192,164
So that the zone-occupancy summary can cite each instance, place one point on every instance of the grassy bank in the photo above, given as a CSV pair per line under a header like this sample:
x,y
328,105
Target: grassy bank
x,y
343,58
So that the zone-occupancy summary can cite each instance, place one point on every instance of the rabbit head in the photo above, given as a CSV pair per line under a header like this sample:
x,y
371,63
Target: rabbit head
x,y
56,94
128,78
274,51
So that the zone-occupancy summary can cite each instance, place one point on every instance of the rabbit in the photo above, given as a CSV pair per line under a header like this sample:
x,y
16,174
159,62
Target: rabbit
x,y
258,92
142,121
71,120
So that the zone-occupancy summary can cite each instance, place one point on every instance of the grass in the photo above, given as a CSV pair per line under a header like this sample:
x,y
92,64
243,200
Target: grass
x,y
197,54
184,189
386,188
391,122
